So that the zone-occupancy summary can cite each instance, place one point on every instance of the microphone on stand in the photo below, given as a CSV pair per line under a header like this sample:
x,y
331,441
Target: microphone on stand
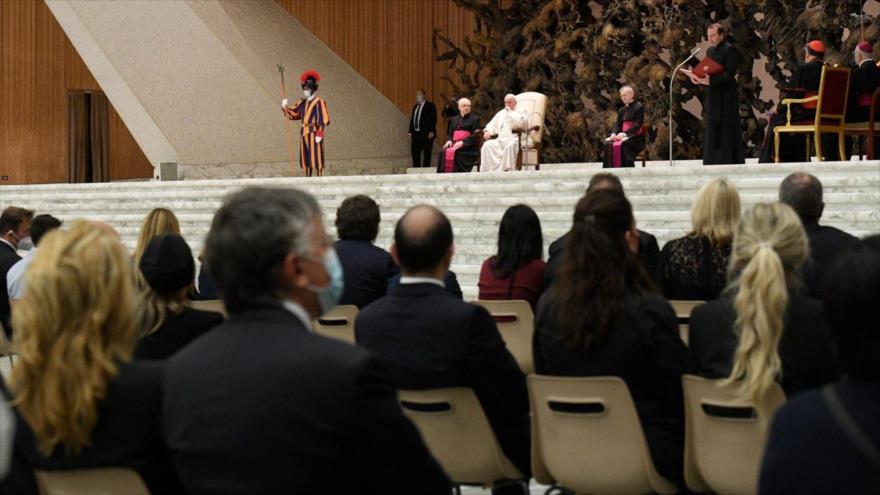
x,y
694,52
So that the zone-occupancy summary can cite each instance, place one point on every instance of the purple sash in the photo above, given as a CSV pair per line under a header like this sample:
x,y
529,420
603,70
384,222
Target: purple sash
x,y
449,156
615,145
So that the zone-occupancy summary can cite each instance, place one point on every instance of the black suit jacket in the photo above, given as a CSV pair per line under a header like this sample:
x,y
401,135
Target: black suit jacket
x,y
863,81
431,339
367,270
649,255
807,77
8,257
261,405
805,349
176,332
126,434
825,244
427,119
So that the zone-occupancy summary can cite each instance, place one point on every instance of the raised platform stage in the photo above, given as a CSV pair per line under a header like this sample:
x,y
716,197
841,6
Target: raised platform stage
x,y
661,196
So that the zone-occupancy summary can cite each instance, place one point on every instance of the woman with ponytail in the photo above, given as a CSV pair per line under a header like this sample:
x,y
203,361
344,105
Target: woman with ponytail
x,y
603,317
761,331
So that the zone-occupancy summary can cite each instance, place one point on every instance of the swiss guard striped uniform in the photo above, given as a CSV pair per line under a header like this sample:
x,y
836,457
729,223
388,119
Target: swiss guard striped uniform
x,y
314,115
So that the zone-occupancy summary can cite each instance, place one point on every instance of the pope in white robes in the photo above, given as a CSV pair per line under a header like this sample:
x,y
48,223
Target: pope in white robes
x,y
501,144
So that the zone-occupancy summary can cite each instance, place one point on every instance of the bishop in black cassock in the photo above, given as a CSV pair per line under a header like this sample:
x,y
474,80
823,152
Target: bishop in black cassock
x,y
462,129
803,83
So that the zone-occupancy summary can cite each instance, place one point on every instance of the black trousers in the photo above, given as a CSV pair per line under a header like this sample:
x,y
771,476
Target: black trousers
x,y
421,147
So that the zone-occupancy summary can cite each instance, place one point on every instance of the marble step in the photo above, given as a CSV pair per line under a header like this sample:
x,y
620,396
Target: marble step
x,y
661,197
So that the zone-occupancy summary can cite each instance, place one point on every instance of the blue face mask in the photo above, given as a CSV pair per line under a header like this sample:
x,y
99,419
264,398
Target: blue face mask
x,y
328,297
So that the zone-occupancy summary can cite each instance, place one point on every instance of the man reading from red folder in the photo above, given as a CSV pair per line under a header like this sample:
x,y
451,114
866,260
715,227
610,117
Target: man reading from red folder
x,y
722,139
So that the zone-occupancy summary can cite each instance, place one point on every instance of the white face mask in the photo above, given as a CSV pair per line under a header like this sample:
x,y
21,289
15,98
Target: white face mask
x,y
307,92
25,244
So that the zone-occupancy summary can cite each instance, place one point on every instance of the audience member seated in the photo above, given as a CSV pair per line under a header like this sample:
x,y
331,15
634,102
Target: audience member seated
x,y
431,339
40,226
761,330
694,267
261,404
78,399
450,282
366,268
167,323
15,227
157,222
649,250
803,192
517,271
820,441
502,145
603,318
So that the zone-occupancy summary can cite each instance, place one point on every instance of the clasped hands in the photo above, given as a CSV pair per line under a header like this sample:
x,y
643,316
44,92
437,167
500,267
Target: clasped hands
x,y
456,145
620,136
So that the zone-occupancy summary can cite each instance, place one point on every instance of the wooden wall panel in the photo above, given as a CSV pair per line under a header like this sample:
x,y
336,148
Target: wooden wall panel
x,y
388,41
38,65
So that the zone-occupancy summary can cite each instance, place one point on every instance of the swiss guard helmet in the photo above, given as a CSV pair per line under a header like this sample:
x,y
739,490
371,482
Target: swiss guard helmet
x,y
309,79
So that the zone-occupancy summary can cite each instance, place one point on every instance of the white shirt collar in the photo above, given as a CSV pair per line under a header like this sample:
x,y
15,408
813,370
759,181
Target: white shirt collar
x,y
421,280
865,61
298,311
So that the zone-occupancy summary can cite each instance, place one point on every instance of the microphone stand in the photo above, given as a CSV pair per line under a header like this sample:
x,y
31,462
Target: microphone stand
x,y
694,52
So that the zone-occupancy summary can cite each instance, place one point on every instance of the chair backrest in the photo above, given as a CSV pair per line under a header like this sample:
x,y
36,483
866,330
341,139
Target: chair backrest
x,y
215,305
535,106
100,481
833,94
683,309
516,323
458,434
724,441
338,323
588,438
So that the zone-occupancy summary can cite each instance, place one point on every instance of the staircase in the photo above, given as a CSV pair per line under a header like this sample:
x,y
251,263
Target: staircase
x,y
474,203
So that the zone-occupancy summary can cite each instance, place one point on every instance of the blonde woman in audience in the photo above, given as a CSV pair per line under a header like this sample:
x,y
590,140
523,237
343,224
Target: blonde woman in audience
x,y
157,222
761,330
694,267
79,401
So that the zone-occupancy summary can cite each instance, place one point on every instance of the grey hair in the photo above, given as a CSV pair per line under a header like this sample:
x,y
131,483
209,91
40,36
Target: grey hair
x,y
627,86
462,100
803,192
250,236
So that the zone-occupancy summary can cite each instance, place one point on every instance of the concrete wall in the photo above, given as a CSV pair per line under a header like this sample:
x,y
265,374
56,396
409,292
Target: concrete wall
x,y
196,83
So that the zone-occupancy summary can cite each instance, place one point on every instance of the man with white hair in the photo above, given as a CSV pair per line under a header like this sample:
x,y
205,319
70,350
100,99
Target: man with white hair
x,y
460,151
501,144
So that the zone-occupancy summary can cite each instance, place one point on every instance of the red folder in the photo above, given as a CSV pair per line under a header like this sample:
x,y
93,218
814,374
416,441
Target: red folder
x,y
707,66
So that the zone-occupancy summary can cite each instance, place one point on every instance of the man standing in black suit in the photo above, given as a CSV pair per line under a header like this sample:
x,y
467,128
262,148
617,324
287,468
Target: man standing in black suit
x,y
261,404
422,129
431,339
15,231
803,192
649,250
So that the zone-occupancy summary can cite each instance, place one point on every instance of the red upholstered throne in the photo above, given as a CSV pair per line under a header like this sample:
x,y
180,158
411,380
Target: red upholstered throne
x,y
830,112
